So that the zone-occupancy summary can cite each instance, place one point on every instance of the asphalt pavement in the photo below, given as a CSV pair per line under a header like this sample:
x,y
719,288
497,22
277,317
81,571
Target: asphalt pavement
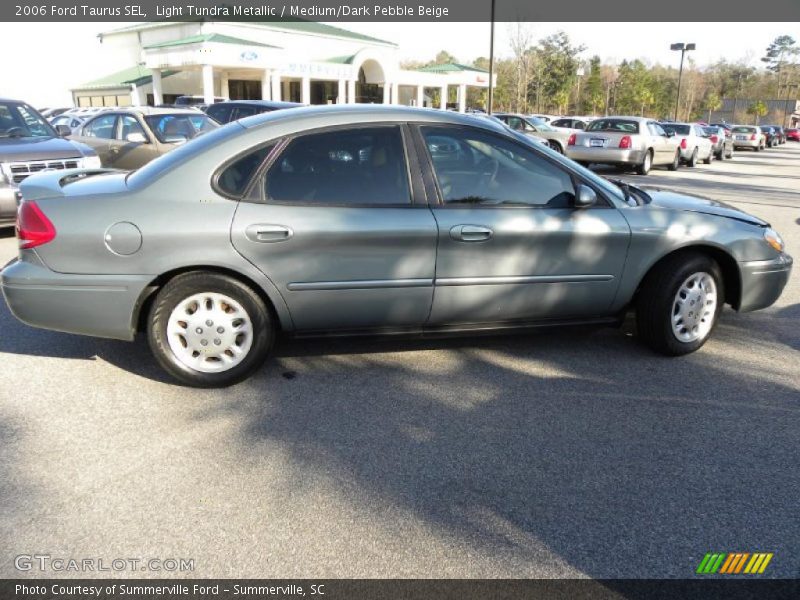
x,y
573,453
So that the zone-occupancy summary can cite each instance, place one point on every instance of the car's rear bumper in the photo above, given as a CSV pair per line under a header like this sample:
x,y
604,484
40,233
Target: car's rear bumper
x,y
746,144
614,156
763,281
97,305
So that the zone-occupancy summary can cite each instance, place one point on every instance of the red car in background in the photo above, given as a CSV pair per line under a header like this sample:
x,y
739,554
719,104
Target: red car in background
x,y
793,134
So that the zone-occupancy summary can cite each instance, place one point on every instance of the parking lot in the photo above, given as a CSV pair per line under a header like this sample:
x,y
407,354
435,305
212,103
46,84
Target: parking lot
x,y
559,454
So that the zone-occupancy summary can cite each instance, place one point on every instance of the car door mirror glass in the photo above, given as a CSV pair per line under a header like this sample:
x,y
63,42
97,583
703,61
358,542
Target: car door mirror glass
x,y
63,130
136,138
585,197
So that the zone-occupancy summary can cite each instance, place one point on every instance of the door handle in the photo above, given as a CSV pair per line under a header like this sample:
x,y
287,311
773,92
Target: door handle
x,y
470,233
268,233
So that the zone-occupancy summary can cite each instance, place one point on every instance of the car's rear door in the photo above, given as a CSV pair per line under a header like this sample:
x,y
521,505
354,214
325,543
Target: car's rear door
x,y
341,227
132,145
512,246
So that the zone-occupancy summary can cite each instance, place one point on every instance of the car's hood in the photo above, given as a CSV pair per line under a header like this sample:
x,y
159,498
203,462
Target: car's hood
x,y
40,148
699,204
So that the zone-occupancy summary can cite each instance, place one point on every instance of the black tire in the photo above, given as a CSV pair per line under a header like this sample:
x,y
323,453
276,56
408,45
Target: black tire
x,y
654,306
583,163
721,154
643,168
554,145
676,163
758,148
186,285
709,159
692,162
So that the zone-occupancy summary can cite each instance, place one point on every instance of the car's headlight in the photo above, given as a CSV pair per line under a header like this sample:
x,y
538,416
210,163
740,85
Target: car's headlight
x,y
774,239
92,162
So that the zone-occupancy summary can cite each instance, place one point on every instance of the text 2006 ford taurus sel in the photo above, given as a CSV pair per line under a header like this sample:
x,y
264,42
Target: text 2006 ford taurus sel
x,y
372,219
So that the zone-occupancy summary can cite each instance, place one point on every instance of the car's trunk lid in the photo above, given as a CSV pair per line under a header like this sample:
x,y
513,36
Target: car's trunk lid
x,y
50,184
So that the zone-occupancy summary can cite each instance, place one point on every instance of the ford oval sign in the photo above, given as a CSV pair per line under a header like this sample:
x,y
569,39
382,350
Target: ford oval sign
x,y
249,56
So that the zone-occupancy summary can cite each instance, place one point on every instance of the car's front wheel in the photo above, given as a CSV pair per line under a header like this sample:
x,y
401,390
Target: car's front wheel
x,y
209,330
679,303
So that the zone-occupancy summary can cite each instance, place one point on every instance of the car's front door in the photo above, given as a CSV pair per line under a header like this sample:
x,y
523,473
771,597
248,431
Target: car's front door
x,y
342,229
512,244
98,133
132,146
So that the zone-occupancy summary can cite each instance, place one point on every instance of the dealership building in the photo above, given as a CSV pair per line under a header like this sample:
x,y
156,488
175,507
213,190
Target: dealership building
x,y
298,61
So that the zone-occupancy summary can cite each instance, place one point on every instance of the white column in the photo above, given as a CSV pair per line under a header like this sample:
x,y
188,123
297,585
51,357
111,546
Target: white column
x,y
443,97
208,84
462,98
395,93
224,91
306,90
387,87
342,94
420,96
158,96
137,97
351,91
277,95
266,85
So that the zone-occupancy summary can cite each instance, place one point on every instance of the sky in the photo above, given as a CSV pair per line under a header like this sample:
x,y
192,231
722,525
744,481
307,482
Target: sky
x,y
45,77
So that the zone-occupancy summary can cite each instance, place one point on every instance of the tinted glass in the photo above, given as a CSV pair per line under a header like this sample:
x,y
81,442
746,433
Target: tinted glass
x,y
220,112
677,129
176,128
246,111
101,127
744,129
476,167
234,179
18,120
128,125
656,129
358,166
614,125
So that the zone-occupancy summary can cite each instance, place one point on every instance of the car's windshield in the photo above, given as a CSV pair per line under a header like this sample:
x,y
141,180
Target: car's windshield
x,y
179,127
614,126
677,129
20,120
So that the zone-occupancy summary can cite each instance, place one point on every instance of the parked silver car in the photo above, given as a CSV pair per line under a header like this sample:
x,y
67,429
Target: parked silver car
x,y
625,141
748,136
556,138
694,142
372,218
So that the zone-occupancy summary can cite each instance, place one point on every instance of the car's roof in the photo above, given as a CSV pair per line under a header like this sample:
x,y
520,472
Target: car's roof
x,y
267,103
354,112
150,110
625,117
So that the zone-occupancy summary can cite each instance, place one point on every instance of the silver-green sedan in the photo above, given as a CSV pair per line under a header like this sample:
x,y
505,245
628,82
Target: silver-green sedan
x,y
354,219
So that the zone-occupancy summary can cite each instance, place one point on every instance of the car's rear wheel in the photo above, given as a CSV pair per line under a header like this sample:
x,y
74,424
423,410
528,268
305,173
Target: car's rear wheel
x,y
643,168
710,158
679,304
721,154
676,162
730,154
209,329
555,146
692,162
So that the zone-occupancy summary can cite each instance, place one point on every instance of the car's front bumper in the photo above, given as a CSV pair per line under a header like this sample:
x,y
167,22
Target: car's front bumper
x,y
613,156
763,281
9,201
97,305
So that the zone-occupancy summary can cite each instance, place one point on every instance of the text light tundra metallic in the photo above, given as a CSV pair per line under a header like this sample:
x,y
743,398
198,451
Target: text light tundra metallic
x,y
454,224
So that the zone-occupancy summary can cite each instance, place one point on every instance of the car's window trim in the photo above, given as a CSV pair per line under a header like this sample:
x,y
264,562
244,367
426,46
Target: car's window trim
x,y
246,193
331,128
96,118
603,201
140,122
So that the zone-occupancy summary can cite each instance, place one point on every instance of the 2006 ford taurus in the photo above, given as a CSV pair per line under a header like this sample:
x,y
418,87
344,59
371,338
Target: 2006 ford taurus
x,y
354,219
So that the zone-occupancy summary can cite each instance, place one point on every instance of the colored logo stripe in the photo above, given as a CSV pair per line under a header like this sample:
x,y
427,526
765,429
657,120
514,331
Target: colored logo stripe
x,y
731,563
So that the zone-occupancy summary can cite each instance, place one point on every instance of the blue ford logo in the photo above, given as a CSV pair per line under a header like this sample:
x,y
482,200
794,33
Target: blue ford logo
x,y
248,55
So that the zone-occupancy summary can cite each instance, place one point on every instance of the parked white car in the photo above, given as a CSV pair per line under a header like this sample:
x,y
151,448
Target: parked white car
x,y
694,142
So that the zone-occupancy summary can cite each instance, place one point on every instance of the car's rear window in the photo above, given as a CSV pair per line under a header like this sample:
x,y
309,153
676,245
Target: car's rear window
x,y
711,130
677,129
744,129
614,126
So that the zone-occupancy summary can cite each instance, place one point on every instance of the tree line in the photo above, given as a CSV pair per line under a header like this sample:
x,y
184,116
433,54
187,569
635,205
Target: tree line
x,y
550,76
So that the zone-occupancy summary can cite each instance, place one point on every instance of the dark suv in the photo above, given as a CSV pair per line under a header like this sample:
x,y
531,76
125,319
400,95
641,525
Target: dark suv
x,y
29,144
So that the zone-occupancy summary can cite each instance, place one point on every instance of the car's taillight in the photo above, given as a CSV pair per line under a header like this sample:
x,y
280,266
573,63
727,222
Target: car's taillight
x,y
753,137
714,139
625,142
33,226
683,144
572,139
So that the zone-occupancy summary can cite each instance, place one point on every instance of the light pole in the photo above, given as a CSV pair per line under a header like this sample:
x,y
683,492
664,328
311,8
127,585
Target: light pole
x,y
580,72
491,62
789,88
684,48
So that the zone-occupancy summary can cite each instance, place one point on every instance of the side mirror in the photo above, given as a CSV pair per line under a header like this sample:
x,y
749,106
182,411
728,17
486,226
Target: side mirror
x,y
585,197
136,137
175,139
63,130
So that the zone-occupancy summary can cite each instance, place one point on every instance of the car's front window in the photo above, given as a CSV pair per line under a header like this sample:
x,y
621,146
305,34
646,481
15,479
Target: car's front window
x,y
179,127
20,120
